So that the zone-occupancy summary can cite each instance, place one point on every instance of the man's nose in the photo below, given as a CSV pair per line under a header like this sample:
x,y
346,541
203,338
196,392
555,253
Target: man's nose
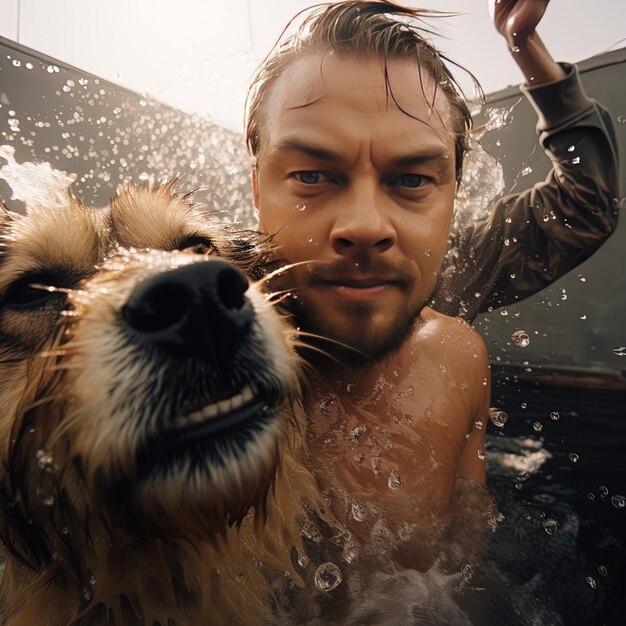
x,y
362,223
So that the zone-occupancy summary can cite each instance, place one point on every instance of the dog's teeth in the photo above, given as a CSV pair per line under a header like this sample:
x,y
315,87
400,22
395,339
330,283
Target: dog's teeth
x,y
247,394
224,406
210,411
195,417
236,402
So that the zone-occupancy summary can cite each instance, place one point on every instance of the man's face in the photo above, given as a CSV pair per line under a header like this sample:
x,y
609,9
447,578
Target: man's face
x,y
346,179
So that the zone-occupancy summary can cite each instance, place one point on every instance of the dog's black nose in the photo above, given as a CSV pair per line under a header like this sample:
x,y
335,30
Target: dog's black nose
x,y
196,310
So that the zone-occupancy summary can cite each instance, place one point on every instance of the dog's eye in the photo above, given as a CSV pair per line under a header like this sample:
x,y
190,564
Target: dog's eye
x,y
31,291
197,244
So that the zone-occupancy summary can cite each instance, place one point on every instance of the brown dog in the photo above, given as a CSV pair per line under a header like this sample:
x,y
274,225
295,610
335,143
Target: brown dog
x,y
148,388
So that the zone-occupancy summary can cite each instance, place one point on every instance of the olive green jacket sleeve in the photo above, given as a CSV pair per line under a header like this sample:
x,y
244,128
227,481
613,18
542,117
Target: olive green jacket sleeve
x,y
530,239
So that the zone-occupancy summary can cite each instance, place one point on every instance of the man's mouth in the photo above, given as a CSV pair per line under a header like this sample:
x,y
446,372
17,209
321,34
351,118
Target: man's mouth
x,y
360,289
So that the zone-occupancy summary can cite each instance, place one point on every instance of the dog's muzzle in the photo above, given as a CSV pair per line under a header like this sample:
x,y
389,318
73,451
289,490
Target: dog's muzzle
x,y
198,310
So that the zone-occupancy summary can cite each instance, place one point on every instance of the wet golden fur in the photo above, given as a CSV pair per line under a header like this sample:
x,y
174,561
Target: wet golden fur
x,y
86,539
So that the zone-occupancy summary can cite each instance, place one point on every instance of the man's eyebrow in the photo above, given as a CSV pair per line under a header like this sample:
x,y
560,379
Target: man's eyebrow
x,y
431,155
296,145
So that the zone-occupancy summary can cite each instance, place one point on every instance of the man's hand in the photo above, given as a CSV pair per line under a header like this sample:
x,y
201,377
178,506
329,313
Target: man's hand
x,y
516,20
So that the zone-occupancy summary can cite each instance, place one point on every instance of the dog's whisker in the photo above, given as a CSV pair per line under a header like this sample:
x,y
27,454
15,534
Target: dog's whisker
x,y
41,401
281,299
306,346
271,296
59,367
282,270
302,333
53,288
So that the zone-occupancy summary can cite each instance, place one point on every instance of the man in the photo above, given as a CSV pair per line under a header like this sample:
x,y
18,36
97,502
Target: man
x,y
358,134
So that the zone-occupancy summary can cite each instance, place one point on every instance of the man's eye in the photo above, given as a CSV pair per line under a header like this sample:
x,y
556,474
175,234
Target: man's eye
x,y
412,181
311,177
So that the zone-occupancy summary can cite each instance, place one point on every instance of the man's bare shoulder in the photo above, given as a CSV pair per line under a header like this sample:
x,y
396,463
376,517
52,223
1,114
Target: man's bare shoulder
x,y
452,347
442,333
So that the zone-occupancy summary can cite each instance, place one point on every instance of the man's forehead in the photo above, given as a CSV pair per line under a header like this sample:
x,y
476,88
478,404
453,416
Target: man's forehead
x,y
399,83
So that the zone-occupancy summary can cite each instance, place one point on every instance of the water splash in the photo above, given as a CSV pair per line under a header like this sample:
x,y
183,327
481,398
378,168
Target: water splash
x,y
35,184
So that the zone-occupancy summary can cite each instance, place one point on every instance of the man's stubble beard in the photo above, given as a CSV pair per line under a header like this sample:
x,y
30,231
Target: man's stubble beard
x,y
365,344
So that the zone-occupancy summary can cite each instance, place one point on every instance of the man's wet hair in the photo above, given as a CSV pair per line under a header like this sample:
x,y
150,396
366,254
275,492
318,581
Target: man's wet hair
x,y
368,28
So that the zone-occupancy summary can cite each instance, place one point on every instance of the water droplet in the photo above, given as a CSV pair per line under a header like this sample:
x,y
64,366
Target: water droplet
x,y
573,457
498,417
619,502
550,526
428,252
583,317
45,461
524,405
303,560
576,160
359,511
301,207
504,312
357,432
621,119
604,490
591,582
350,553
350,387
621,351
520,338
555,416
603,571
466,571
571,149
327,577
526,171
478,424
481,455
45,498
538,427
92,580
581,278
311,531
86,595
327,405
359,457
514,49
394,481
591,496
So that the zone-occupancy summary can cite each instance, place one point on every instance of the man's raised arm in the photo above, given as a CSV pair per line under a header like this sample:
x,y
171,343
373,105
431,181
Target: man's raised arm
x,y
532,238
